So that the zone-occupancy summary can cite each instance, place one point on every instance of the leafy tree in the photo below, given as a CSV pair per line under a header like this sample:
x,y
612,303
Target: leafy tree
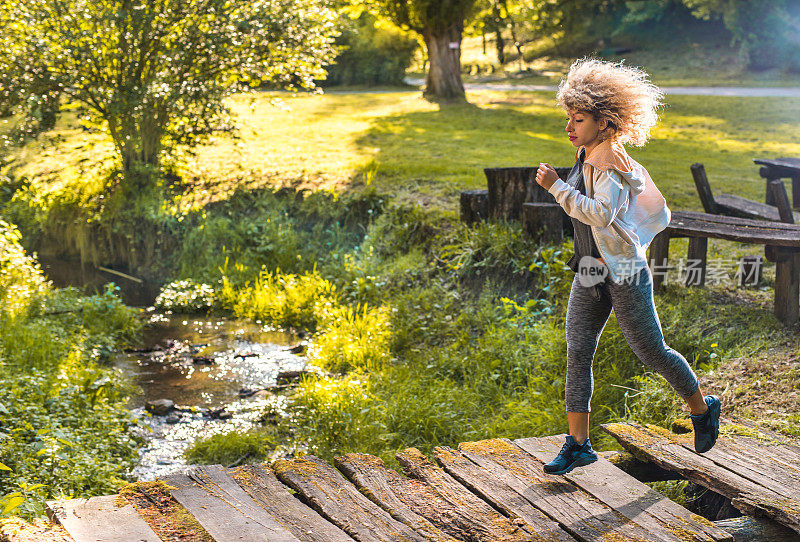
x,y
441,25
155,73
767,31
373,51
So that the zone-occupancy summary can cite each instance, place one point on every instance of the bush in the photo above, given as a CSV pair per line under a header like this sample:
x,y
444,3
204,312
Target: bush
x,y
288,301
185,296
64,427
374,53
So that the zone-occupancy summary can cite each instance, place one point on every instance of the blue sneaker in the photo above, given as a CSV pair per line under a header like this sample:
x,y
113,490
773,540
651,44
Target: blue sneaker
x,y
706,425
571,455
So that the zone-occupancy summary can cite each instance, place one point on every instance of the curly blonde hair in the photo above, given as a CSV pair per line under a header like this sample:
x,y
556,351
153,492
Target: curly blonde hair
x,y
622,95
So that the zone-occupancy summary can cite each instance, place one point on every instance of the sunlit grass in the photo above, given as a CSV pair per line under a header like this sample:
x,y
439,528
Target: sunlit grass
x,y
420,152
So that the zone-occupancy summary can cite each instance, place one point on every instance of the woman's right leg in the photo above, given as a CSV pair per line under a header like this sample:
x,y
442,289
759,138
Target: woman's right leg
x,y
586,318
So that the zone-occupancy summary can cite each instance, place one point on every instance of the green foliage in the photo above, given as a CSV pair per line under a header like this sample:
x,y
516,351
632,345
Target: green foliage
x,y
766,32
231,448
154,74
372,53
352,339
64,428
289,301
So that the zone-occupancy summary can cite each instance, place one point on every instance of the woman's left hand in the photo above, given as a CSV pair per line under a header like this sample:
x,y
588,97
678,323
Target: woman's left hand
x,y
546,175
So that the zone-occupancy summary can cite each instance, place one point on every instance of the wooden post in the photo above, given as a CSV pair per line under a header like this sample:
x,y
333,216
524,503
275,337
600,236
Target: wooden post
x,y
508,190
766,172
751,264
543,222
787,286
781,201
474,205
698,249
703,188
659,257
796,192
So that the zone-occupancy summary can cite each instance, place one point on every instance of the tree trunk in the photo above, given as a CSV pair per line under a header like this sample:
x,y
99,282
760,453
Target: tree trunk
x,y
443,81
501,46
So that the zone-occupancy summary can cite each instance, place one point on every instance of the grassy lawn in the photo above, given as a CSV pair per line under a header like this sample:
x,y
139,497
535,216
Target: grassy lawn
x,y
423,153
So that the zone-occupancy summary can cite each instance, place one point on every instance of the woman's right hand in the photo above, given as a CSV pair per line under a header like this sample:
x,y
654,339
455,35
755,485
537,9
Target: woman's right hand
x,y
546,175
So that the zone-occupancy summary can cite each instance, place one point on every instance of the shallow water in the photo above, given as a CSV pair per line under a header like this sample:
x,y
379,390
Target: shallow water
x,y
242,355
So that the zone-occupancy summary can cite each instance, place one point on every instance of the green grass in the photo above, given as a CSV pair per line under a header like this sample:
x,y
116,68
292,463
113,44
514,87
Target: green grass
x,y
398,143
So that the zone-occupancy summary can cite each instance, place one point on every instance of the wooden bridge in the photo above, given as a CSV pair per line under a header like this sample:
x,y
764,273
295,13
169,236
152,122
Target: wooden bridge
x,y
487,491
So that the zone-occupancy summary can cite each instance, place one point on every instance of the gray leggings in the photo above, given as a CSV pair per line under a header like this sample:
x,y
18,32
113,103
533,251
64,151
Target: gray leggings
x,y
636,313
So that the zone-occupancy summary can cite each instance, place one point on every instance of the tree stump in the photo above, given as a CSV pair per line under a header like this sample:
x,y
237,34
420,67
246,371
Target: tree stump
x,y
543,222
508,190
474,205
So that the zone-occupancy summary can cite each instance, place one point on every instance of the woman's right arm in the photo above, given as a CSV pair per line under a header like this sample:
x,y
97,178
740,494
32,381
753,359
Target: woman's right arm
x,y
610,195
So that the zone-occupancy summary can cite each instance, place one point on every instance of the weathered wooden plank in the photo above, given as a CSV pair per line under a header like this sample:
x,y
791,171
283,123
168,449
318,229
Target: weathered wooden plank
x,y
692,224
473,514
755,529
500,463
750,463
501,495
303,522
631,498
667,450
781,455
101,519
411,501
734,221
224,510
737,206
324,489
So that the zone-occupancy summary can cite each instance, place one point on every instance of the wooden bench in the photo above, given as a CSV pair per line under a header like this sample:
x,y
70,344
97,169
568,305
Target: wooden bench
x,y
731,205
781,242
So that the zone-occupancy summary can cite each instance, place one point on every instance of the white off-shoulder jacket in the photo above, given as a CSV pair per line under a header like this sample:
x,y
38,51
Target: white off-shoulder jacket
x,y
622,205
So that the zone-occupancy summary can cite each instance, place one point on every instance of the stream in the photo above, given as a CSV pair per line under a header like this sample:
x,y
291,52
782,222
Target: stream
x,y
220,374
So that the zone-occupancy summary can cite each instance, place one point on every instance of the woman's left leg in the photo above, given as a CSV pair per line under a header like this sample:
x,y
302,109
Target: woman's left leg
x,y
636,314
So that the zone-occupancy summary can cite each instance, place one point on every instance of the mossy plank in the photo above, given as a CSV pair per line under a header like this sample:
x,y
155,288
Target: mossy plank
x,y
500,461
223,508
747,495
411,501
101,519
483,522
775,462
303,522
499,494
628,496
325,489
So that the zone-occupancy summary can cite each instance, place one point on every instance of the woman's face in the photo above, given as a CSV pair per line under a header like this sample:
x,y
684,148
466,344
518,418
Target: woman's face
x,y
583,129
